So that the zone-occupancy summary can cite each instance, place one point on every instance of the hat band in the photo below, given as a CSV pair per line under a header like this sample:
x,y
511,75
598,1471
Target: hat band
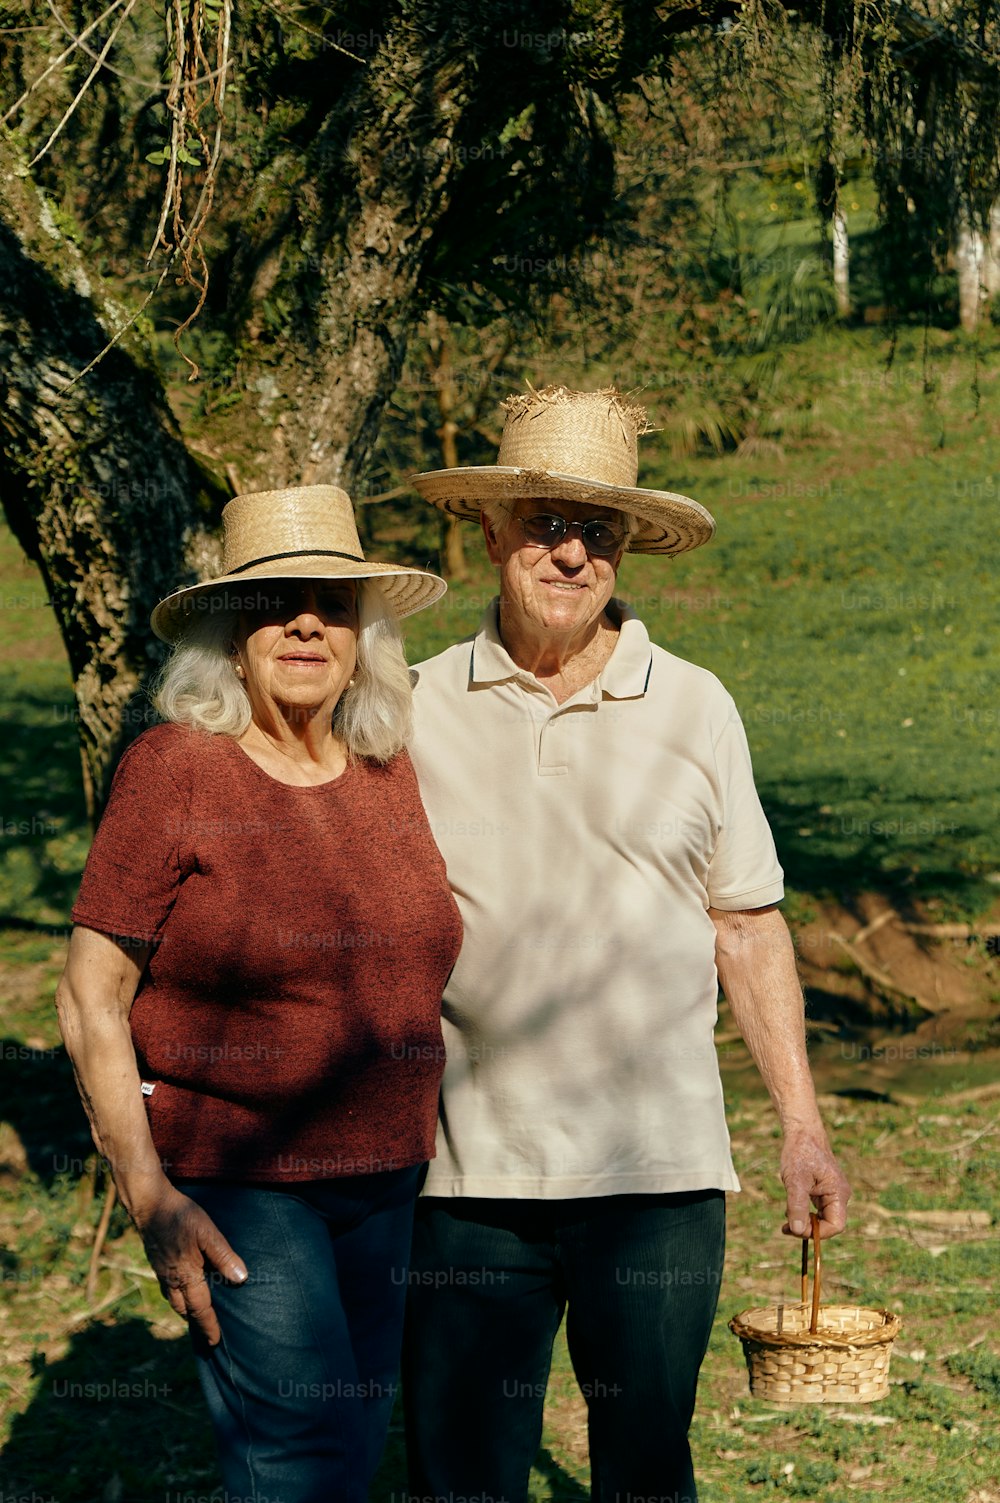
x,y
270,558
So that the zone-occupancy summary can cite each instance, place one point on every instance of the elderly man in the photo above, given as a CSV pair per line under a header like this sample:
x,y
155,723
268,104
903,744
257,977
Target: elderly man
x,y
594,800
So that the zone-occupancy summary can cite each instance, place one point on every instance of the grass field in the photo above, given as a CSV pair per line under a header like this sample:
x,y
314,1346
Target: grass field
x,y
848,602
101,1405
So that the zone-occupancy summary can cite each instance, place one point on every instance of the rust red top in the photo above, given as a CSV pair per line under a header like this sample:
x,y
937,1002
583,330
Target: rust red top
x,y
288,1021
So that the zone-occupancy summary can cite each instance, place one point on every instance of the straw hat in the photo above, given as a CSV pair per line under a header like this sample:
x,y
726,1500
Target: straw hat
x,y
564,445
308,532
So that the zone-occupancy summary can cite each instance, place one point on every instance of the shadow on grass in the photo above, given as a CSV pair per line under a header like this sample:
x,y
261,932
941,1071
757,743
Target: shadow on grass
x,y
564,1488
119,1417
41,801
903,845
39,1099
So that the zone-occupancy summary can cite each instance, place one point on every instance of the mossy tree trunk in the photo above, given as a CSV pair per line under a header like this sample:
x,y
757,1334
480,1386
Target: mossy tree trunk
x,y
443,153
94,478
380,171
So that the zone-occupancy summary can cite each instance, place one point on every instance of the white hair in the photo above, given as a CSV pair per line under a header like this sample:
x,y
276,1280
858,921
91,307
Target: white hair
x,y
198,686
499,515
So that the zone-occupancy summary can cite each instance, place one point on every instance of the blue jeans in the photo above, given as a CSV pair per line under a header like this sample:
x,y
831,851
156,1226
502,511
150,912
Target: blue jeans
x,y
639,1278
300,1388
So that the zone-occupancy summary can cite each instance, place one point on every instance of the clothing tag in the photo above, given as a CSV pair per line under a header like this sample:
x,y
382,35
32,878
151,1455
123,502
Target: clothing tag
x,y
148,1088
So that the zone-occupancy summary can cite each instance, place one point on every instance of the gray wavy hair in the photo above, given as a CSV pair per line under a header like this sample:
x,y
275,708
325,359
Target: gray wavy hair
x,y
198,686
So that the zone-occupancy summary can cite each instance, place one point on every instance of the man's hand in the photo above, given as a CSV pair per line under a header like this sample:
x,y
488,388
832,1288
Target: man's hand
x,y
810,1172
181,1243
756,964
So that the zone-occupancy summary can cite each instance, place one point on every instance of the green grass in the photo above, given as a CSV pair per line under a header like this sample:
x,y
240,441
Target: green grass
x,y
935,1435
848,592
107,1405
848,603
43,829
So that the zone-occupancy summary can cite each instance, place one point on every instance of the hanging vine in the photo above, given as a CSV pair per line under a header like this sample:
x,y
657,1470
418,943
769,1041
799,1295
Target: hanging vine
x,y
198,40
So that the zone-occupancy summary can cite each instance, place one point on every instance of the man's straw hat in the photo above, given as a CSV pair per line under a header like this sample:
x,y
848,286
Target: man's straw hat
x,y
308,532
563,445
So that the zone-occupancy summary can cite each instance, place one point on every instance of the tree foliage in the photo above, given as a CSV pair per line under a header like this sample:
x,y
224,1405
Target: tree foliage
x,y
371,169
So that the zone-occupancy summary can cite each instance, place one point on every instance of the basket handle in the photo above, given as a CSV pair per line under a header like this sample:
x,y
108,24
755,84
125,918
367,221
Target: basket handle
x,y
814,1320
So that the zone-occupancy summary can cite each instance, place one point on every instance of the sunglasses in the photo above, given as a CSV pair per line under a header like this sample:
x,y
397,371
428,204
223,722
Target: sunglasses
x,y
281,600
546,530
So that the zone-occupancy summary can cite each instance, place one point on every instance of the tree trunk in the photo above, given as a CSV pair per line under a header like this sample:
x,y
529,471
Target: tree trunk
x,y
841,264
442,375
991,259
95,481
969,249
323,395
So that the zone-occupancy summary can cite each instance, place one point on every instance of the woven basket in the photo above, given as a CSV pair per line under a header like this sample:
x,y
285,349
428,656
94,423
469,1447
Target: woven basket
x,y
813,1354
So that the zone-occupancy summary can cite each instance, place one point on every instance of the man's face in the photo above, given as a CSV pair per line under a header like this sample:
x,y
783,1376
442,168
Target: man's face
x,y
559,591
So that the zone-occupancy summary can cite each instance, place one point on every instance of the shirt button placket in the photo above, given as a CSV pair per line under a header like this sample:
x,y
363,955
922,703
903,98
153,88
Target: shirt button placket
x,y
550,762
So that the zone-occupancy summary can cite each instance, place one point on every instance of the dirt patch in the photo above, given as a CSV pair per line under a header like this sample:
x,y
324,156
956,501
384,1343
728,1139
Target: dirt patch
x,y
870,964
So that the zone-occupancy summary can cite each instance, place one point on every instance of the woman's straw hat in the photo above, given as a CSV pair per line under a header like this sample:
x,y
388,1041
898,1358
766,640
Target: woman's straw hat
x,y
564,445
307,532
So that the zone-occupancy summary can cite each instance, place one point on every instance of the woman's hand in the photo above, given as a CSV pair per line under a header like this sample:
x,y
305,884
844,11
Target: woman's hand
x,y
186,1250
94,998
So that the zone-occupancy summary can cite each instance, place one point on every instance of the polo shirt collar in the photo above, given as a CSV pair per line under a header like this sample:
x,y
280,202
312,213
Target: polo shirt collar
x,y
491,662
625,675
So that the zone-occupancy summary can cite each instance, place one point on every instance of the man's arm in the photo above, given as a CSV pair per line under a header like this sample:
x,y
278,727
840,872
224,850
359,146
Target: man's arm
x,y
756,964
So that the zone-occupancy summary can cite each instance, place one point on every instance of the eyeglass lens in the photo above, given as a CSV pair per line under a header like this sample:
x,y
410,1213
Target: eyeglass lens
x,y
545,530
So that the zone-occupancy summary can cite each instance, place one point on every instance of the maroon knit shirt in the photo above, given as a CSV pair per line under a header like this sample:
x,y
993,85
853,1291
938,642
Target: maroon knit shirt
x,y
289,1016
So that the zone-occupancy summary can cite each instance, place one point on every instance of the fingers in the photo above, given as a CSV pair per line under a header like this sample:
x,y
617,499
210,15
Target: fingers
x,y
795,1224
797,1188
184,1246
832,1210
219,1253
811,1174
191,1299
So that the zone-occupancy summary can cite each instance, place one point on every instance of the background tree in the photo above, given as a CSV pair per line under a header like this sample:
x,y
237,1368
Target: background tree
x,y
367,165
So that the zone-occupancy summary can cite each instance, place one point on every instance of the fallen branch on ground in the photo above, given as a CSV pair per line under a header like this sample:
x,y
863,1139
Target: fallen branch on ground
x,y
882,979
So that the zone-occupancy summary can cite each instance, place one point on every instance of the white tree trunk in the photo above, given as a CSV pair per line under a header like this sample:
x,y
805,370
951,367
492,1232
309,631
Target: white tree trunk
x,y
991,259
969,255
841,264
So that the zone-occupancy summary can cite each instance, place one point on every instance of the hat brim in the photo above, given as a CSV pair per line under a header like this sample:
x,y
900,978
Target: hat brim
x,y
407,590
669,523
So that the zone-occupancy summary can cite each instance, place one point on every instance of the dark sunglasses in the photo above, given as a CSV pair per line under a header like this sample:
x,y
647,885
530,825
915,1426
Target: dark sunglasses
x,y
281,600
545,530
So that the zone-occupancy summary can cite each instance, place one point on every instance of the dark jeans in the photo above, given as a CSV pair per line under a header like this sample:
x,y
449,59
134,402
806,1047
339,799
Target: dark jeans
x,y
489,1281
301,1386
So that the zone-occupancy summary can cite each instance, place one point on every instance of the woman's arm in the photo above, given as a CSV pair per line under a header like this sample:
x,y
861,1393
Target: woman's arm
x,y
94,997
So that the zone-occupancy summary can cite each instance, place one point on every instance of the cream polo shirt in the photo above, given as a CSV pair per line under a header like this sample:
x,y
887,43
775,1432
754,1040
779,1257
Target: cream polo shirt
x,y
584,844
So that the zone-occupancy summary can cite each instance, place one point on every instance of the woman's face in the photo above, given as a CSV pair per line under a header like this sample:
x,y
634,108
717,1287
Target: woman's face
x,y
299,647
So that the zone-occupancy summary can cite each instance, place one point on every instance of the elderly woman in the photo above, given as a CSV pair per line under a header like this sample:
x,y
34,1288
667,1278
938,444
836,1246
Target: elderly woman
x,y
252,994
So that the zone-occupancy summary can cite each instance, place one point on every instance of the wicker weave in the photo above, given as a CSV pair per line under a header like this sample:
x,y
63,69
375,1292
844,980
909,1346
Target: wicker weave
x,y
581,446
810,1353
303,532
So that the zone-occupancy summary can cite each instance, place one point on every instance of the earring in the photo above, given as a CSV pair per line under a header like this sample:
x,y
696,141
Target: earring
x,y
240,670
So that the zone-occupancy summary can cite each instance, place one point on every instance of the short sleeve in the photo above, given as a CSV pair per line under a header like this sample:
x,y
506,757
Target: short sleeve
x,y
744,871
133,871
